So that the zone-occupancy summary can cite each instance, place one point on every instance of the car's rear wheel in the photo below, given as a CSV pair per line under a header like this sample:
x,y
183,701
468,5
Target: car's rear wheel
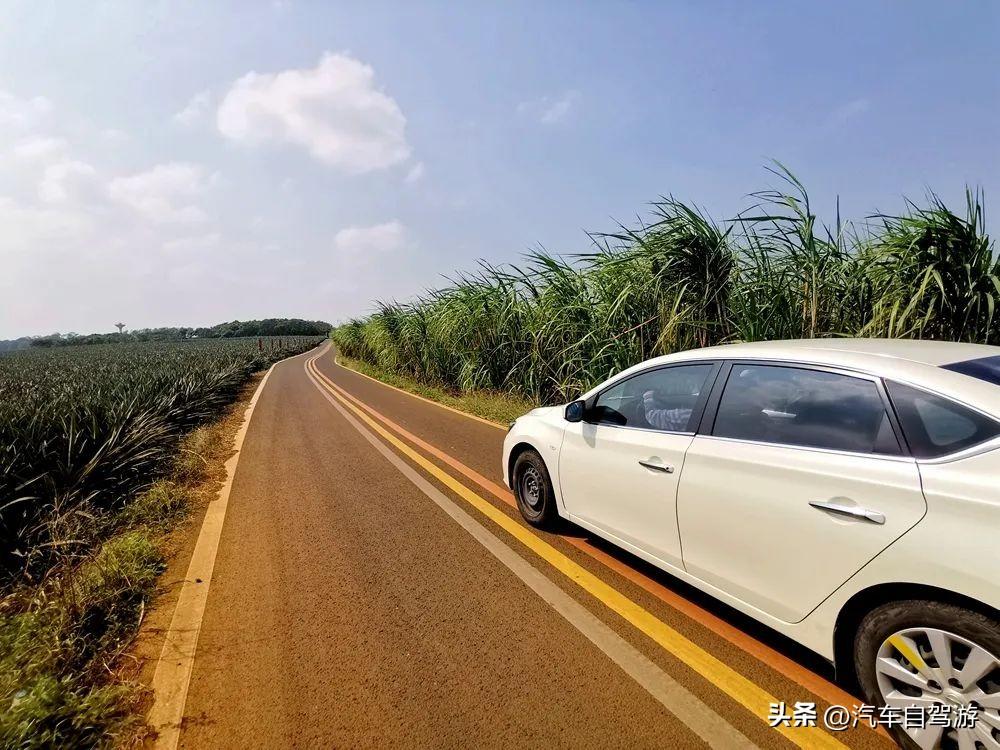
x,y
533,490
939,657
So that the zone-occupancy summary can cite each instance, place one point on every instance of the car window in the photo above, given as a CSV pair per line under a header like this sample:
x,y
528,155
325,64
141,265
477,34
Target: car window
x,y
934,425
811,408
663,399
984,368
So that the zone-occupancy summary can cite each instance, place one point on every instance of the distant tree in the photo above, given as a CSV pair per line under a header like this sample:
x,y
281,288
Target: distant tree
x,y
232,329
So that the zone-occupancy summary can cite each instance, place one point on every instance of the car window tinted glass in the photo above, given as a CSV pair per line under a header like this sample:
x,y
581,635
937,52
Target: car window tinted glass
x,y
794,406
935,425
663,399
985,368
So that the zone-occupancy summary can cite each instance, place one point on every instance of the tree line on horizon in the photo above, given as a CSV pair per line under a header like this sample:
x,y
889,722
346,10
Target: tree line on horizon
x,y
232,329
554,326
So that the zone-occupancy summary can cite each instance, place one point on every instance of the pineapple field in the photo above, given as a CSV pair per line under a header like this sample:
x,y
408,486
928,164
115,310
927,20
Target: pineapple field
x,y
84,428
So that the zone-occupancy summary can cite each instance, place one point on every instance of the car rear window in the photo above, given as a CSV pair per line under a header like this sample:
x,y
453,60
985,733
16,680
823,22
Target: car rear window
x,y
936,426
985,368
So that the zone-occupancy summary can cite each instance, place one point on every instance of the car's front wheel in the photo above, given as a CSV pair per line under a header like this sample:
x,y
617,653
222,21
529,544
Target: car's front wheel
x,y
941,659
533,490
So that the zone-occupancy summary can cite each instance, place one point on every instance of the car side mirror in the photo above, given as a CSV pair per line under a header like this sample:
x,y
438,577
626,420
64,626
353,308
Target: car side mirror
x,y
574,411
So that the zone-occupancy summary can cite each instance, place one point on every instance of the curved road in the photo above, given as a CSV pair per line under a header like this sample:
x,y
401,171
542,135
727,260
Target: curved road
x,y
374,587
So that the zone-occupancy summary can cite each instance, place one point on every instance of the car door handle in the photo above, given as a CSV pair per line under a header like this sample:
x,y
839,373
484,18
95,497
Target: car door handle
x,y
657,467
853,511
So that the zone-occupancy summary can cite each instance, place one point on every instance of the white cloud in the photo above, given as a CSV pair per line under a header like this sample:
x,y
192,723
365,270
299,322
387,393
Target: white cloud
x,y
196,244
70,181
164,193
415,174
74,205
358,246
40,148
26,226
195,109
334,111
558,109
22,114
549,110
69,213
848,111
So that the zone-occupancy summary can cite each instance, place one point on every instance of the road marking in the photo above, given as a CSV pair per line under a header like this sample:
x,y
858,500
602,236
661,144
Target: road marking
x,y
176,662
424,398
777,661
698,717
742,690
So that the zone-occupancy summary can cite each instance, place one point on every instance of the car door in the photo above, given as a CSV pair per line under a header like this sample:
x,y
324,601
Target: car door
x,y
618,469
797,482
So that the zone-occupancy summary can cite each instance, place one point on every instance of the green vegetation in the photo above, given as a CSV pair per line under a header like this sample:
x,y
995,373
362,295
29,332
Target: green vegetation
x,y
100,449
83,429
234,329
552,327
501,408
56,647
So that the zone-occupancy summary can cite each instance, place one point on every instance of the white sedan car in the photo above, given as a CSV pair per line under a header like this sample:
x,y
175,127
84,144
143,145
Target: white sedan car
x,y
844,492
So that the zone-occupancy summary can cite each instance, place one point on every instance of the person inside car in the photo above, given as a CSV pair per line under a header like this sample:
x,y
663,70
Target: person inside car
x,y
675,420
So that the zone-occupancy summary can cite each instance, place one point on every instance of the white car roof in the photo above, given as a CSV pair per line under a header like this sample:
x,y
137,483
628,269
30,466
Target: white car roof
x,y
909,361
928,352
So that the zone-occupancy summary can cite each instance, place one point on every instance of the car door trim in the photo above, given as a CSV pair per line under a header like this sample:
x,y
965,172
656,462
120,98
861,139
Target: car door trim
x,y
662,468
862,514
809,448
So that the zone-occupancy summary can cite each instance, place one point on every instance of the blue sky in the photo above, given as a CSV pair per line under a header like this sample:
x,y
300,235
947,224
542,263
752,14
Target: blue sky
x,y
188,163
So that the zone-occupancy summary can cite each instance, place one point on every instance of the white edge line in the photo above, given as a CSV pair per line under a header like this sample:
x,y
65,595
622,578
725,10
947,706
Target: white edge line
x,y
176,662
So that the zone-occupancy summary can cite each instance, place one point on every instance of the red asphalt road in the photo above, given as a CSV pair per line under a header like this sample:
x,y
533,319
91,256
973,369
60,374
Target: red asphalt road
x,y
347,609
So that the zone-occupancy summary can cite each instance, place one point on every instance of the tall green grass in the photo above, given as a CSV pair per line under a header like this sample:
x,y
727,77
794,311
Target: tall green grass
x,y
550,327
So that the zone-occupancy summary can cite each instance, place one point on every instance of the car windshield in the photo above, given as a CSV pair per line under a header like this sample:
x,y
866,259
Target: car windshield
x,y
985,368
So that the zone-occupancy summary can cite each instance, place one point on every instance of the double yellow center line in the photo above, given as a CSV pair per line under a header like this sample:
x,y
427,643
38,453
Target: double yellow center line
x,y
742,690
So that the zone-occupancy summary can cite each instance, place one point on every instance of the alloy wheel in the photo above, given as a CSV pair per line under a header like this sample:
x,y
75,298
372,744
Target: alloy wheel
x,y
925,667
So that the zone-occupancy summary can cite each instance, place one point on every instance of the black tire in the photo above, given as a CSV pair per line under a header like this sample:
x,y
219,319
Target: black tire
x,y
893,617
533,490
